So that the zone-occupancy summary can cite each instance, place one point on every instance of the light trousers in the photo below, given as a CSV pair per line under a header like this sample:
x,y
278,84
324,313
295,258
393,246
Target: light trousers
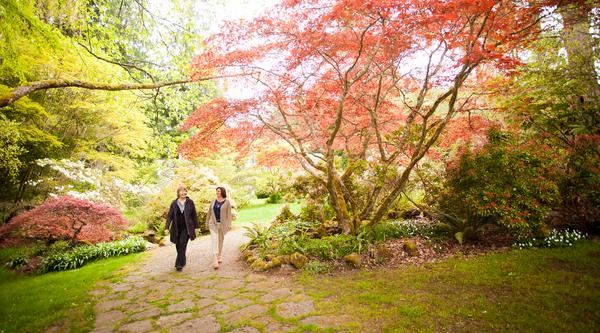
x,y
217,236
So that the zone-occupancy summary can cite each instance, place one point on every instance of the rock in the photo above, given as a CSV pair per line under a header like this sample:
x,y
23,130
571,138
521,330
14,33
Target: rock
x,y
275,262
298,260
259,265
284,259
353,259
410,247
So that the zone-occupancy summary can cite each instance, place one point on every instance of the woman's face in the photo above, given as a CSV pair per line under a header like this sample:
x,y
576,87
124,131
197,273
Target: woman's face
x,y
183,193
218,193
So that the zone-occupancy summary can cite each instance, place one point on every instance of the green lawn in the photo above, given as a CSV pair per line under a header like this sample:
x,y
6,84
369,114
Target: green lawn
x,y
259,211
535,290
33,303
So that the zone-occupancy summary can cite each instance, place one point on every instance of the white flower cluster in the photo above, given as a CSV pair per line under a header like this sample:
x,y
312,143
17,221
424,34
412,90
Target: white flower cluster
x,y
94,185
557,238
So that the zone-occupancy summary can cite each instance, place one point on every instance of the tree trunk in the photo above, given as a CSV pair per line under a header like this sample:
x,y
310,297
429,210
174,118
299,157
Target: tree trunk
x,y
580,48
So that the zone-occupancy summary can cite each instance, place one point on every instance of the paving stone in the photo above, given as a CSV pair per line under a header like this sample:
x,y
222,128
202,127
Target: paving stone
x,y
155,296
113,295
151,312
324,321
205,293
136,293
224,294
245,329
180,289
238,301
137,326
109,305
295,309
255,278
205,302
231,284
265,286
245,313
171,320
122,287
205,324
220,307
276,294
181,306
278,328
108,319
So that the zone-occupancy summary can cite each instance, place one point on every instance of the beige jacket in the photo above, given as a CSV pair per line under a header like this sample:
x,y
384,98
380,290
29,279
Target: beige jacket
x,y
226,217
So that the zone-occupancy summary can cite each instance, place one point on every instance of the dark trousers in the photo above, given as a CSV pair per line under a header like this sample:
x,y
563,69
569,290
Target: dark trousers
x,y
181,246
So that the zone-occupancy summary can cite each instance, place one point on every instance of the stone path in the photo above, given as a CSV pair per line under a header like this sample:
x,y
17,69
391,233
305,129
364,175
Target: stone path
x,y
153,297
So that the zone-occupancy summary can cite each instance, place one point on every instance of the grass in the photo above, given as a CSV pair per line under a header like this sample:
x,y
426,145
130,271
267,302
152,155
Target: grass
x,y
534,290
34,303
260,212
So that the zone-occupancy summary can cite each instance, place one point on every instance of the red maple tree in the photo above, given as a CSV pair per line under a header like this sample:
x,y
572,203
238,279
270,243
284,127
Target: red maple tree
x,y
359,90
65,218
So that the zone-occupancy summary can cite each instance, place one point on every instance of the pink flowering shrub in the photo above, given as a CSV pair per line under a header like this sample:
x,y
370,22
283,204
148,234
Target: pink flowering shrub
x,y
65,218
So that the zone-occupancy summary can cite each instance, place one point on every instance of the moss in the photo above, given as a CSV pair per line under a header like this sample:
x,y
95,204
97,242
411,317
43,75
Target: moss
x,y
298,260
410,247
353,259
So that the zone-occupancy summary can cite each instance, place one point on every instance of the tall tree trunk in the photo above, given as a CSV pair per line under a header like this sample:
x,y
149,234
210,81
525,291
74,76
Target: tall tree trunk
x,y
580,48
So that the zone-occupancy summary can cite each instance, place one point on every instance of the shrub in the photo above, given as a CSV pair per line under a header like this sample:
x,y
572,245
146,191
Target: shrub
x,y
66,218
138,228
17,260
333,247
316,211
274,198
285,215
83,254
505,183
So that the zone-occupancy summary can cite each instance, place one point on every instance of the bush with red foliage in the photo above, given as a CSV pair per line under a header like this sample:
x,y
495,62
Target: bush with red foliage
x,y
65,218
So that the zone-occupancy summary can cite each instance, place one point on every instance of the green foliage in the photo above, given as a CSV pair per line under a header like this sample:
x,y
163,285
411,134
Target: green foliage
x,y
258,237
397,229
498,184
284,216
317,267
274,198
17,261
334,247
138,228
81,255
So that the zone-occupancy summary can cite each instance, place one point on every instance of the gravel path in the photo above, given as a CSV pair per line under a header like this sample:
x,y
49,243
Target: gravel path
x,y
153,297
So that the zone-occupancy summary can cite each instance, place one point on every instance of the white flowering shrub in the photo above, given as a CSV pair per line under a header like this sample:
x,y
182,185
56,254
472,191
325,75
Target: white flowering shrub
x,y
75,179
557,238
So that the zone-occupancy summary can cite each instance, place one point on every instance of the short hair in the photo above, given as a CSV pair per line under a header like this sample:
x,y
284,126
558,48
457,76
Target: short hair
x,y
223,191
181,188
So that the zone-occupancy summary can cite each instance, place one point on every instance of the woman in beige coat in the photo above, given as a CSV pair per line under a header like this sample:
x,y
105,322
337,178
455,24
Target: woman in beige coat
x,y
218,222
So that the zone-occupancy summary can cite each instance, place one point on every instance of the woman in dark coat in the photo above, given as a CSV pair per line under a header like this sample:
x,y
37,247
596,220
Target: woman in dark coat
x,y
182,222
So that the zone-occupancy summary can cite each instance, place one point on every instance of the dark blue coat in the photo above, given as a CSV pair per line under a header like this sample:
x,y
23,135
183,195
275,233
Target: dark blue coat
x,y
191,219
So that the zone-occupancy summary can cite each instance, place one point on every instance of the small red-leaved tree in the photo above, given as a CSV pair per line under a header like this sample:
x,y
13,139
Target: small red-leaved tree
x,y
359,90
65,218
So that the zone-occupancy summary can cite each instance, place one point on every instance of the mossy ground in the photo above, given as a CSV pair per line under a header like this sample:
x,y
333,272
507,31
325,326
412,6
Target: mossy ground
x,y
536,290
